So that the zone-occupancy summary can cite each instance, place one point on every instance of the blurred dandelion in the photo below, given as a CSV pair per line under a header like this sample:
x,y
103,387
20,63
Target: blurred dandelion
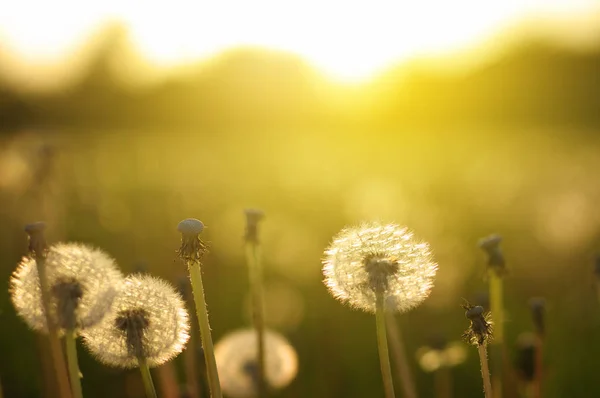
x,y
377,268
236,355
496,272
147,326
257,291
439,357
82,281
479,334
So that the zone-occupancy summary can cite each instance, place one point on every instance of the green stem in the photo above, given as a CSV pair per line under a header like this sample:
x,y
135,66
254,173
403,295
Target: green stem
x,y
497,349
382,345
485,371
202,314
56,351
147,378
73,365
399,354
258,310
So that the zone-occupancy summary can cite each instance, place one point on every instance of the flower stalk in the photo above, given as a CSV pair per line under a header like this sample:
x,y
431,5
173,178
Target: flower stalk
x,y
255,270
382,346
191,251
37,246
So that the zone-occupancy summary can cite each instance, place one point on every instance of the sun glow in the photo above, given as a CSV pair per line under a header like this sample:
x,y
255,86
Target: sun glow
x,y
347,40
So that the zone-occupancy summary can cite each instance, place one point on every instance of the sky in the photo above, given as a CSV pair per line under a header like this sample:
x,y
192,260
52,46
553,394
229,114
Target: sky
x,y
346,39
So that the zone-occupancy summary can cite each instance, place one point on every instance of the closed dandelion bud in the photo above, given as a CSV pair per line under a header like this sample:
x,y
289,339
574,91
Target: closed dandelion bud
x,y
253,217
192,248
379,258
491,245
525,360
147,321
236,356
82,280
538,310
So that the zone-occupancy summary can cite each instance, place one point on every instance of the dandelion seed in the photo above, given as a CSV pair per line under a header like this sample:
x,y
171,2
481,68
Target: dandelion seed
x,y
236,356
148,321
479,334
373,258
82,281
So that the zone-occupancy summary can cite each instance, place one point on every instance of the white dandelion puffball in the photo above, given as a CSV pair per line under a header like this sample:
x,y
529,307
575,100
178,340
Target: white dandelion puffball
x,y
236,356
383,258
148,320
82,283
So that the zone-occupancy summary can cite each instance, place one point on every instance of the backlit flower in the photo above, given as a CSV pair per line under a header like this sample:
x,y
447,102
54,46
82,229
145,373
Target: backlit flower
x,y
82,281
148,320
384,258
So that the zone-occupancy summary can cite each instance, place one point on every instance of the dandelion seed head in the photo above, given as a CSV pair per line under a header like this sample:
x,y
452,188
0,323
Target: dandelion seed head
x,y
148,319
236,356
379,257
82,281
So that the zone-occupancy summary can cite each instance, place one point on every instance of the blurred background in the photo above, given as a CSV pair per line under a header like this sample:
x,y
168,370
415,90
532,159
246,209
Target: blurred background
x,y
459,119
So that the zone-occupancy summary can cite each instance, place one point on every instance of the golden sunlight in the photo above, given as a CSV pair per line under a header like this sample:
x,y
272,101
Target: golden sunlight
x,y
349,41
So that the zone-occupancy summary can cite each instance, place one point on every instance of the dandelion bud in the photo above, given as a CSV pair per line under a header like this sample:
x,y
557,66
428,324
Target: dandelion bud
x,y
147,321
538,309
37,239
491,245
480,330
379,259
253,216
192,248
525,361
236,356
82,283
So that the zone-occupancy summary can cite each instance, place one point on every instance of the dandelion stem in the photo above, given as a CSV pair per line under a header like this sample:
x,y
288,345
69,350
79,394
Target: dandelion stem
x,y
443,382
382,345
202,314
497,309
539,367
485,371
72,362
258,310
399,353
56,351
147,378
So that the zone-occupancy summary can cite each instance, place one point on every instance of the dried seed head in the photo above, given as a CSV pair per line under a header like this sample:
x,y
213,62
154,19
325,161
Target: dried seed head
x,y
148,320
236,356
491,245
82,281
253,217
376,258
480,330
192,248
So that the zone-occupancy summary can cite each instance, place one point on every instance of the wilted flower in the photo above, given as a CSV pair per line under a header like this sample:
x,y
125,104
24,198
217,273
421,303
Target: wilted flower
x,y
148,320
236,356
253,217
480,330
379,258
82,283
